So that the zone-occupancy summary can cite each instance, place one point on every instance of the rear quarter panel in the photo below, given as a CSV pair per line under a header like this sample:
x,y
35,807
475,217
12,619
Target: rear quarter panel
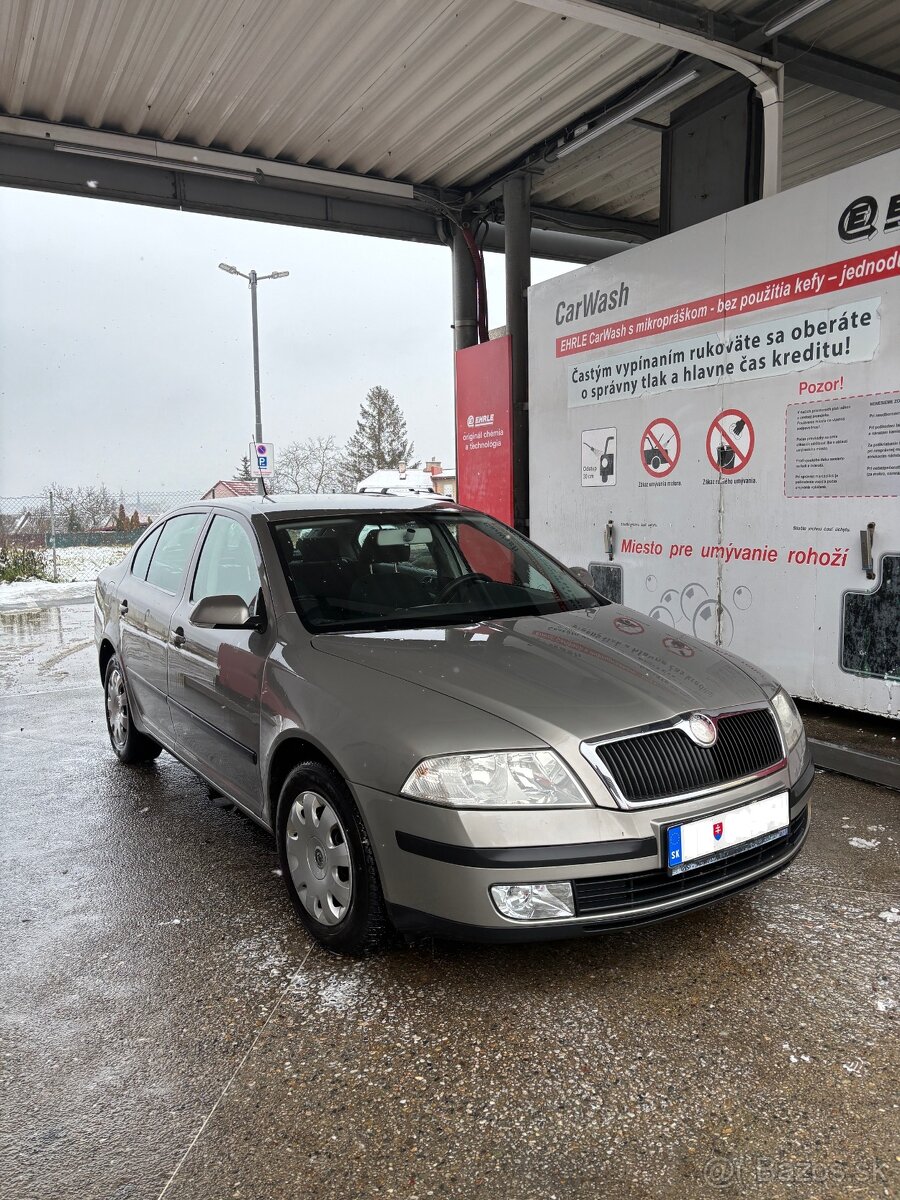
x,y
106,604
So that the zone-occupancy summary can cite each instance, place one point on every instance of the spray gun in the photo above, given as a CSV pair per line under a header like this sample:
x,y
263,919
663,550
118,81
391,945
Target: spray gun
x,y
609,532
866,543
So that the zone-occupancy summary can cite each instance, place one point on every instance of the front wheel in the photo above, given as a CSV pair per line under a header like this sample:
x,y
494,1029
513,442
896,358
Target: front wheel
x,y
129,744
328,864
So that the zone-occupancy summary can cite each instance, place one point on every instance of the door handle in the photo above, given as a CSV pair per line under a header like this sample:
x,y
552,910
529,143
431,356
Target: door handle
x,y
178,637
123,608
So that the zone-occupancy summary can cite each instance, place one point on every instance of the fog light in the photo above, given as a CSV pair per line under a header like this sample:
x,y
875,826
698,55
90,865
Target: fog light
x,y
534,901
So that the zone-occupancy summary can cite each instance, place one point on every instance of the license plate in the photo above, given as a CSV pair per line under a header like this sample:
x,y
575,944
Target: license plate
x,y
696,843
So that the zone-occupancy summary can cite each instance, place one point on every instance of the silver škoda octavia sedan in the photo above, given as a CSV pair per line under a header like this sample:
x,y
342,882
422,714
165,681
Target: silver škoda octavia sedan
x,y
444,728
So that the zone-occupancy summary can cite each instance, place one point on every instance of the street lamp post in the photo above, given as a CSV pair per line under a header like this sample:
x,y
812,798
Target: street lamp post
x,y
253,279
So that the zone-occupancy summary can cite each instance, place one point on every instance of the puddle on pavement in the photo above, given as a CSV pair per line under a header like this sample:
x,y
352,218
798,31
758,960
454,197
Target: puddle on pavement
x,y
47,646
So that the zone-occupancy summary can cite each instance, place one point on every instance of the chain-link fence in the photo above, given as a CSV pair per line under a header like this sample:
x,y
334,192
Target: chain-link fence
x,y
71,533
85,516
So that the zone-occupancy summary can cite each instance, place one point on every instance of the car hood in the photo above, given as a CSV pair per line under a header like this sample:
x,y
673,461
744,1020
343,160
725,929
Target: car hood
x,y
564,677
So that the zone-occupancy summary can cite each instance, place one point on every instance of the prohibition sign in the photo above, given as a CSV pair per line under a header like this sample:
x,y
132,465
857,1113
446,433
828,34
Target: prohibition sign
x,y
677,646
736,440
628,625
660,447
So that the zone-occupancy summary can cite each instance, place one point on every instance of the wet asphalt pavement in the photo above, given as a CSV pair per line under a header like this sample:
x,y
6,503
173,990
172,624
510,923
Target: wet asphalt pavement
x,y
168,1029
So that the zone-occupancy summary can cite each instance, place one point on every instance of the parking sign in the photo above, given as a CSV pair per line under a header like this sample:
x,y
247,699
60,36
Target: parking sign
x,y
262,459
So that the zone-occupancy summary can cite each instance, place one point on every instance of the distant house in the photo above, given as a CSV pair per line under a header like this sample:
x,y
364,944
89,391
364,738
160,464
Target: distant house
x,y
30,524
444,478
26,528
109,523
226,489
431,478
27,523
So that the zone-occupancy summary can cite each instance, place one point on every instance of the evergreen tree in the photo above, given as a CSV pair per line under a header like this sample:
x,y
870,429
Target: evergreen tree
x,y
380,441
243,471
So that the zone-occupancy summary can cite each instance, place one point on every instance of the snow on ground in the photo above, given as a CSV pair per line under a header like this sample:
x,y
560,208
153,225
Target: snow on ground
x,y
83,564
31,594
77,568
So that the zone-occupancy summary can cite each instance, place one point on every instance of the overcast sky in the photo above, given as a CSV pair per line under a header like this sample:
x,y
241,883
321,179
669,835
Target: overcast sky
x,y
125,354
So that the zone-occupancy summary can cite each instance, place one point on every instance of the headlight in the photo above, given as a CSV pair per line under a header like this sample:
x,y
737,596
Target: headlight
x,y
504,779
788,718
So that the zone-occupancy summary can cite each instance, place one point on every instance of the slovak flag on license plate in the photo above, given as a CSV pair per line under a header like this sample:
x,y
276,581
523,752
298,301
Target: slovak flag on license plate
x,y
717,830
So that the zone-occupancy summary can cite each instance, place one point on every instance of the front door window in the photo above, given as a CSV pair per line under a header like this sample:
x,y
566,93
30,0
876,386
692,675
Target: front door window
x,y
228,564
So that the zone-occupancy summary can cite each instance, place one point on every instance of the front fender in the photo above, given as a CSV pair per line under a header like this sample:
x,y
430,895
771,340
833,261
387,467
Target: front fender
x,y
374,728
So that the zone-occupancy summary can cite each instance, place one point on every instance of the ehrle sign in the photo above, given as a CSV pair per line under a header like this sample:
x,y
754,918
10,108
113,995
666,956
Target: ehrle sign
x,y
483,427
860,218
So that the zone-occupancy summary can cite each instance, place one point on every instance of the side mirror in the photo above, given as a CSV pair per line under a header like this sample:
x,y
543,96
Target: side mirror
x,y
224,612
583,575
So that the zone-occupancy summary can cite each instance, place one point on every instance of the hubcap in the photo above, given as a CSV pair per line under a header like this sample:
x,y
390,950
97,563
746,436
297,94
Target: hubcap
x,y
319,858
117,708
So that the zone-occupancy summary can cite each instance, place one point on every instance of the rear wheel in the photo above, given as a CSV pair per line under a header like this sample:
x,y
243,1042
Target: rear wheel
x,y
129,744
328,864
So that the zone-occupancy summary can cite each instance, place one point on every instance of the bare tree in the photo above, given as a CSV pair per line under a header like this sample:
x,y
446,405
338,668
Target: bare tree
x,y
78,508
313,465
96,505
290,469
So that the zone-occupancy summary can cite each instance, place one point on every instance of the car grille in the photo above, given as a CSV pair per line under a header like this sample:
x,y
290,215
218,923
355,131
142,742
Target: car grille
x,y
654,766
615,893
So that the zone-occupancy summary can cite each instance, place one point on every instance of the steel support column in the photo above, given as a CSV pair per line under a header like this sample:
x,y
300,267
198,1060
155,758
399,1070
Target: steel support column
x,y
465,306
517,220
257,409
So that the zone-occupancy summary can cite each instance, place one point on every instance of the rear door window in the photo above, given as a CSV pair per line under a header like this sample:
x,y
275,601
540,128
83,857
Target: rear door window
x,y
141,559
173,551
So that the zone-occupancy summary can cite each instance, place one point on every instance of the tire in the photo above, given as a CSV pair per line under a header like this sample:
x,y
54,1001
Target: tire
x,y
327,862
128,743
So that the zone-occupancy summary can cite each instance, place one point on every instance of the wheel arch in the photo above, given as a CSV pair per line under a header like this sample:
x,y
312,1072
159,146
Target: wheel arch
x,y
291,750
107,650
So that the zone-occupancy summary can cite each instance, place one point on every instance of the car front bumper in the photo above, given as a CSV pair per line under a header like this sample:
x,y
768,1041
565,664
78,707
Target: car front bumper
x,y
437,864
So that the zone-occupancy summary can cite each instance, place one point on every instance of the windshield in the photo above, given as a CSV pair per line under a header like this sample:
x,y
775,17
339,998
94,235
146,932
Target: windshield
x,y
388,571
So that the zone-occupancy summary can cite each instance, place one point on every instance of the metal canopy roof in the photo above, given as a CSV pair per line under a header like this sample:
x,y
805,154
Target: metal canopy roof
x,y
418,104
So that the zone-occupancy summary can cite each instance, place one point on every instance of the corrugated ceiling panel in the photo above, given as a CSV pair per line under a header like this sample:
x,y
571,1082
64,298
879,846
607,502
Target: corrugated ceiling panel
x,y
623,164
824,132
867,30
618,174
427,90
445,92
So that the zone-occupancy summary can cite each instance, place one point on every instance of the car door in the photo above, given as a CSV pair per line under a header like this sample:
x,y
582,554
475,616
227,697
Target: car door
x,y
134,650
147,596
215,675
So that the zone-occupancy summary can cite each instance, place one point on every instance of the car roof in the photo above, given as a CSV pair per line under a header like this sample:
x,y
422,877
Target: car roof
x,y
280,507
